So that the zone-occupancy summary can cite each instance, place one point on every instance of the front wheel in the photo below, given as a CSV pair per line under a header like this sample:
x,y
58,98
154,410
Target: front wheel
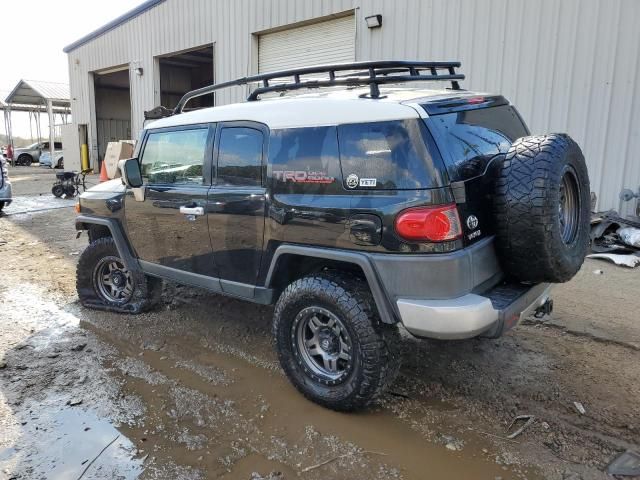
x,y
331,342
104,282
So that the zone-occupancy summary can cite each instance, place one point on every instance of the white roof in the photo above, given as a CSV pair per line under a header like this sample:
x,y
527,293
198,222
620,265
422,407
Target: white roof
x,y
331,107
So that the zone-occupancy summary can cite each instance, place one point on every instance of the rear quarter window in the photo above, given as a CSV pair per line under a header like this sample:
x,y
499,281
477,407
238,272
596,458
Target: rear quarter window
x,y
392,155
305,160
468,140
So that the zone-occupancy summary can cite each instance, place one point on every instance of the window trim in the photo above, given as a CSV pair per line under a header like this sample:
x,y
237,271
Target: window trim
x,y
208,154
262,128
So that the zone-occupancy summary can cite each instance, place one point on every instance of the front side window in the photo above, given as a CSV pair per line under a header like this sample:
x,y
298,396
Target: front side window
x,y
240,156
174,157
393,155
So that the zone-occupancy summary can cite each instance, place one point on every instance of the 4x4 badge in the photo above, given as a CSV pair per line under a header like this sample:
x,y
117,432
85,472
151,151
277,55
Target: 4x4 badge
x,y
352,180
472,222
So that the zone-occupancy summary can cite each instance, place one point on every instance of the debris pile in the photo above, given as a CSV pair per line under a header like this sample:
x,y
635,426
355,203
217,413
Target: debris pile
x,y
615,238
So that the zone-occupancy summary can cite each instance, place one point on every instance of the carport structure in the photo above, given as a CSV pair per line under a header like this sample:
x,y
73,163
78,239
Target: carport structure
x,y
36,97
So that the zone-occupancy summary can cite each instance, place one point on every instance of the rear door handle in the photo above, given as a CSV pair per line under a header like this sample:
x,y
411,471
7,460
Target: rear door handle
x,y
192,210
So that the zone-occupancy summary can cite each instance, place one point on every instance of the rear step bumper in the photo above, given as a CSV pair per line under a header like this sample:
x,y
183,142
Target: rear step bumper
x,y
471,315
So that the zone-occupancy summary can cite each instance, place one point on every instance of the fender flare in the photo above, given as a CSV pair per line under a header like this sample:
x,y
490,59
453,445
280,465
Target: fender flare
x,y
124,249
388,313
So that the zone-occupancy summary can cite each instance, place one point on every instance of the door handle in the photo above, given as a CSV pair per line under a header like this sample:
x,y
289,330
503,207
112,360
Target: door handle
x,y
192,210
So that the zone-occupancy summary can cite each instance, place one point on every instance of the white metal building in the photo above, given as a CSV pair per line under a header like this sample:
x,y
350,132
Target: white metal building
x,y
568,65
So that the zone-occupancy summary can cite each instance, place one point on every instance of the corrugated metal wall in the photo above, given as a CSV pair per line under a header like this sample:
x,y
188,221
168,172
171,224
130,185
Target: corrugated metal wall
x,y
568,65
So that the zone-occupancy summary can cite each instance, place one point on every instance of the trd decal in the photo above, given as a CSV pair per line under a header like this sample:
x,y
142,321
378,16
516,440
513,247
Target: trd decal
x,y
301,176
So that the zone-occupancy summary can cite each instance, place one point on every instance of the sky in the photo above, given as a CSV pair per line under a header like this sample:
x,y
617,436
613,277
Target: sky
x,y
33,34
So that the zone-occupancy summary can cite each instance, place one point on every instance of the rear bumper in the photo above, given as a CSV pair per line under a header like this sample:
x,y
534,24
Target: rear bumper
x,y
471,315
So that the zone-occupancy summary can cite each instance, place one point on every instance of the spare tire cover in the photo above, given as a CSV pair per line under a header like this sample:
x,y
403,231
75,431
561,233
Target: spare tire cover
x,y
542,209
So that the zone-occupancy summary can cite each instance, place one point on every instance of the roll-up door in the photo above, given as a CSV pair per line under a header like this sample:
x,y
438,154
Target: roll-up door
x,y
329,41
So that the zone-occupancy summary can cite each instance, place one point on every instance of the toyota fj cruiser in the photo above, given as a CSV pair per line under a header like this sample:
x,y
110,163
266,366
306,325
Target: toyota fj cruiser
x,y
351,209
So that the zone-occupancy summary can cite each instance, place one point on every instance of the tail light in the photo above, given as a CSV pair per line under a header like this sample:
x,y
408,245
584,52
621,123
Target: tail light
x,y
429,224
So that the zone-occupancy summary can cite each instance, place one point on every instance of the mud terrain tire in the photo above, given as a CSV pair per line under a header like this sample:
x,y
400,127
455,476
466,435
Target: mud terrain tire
x,y
347,301
542,209
101,259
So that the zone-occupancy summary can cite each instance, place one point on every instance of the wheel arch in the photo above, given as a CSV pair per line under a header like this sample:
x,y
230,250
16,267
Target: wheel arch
x,y
103,225
291,262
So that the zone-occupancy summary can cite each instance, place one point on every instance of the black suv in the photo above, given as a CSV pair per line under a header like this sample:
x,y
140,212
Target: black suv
x,y
350,210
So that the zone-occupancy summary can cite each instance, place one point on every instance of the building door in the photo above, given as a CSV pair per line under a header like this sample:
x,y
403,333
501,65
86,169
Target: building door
x,y
329,41
237,205
112,107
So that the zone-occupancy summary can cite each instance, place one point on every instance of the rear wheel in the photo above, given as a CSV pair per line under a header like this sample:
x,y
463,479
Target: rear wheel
x,y
1,205
331,342
60,163
103,281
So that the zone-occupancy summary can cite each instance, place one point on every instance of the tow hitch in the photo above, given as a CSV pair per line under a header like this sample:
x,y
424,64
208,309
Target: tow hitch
x,y
545,309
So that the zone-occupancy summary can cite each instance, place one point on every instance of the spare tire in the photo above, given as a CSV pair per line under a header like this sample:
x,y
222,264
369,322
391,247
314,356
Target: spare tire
x,y
542,209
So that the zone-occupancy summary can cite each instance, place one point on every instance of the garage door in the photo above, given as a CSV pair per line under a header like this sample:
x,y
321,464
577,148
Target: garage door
x,y
331,41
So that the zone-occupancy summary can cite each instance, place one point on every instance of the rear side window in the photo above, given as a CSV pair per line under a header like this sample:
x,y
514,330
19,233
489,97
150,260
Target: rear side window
x,y
305,160
468,140
393,155
240,157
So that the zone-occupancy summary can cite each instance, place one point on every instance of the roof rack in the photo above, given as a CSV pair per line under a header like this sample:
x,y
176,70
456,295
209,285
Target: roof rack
x,y
372,74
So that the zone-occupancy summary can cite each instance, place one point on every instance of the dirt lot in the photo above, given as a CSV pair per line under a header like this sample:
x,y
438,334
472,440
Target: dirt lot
x,y
194,390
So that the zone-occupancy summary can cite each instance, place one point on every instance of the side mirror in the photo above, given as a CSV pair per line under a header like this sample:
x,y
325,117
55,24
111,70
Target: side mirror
x,y
131,173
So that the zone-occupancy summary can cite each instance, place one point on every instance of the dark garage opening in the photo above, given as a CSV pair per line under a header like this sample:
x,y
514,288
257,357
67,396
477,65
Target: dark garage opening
x,y
113,108
185,71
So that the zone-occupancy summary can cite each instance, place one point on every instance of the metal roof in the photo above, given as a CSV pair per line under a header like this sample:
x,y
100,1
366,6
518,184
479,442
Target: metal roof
x,y
149,4
34,92
16,107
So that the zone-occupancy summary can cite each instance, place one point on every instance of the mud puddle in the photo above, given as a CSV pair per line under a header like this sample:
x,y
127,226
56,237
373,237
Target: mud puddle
x,y
58,411
34,204
75,396
64,443
234,418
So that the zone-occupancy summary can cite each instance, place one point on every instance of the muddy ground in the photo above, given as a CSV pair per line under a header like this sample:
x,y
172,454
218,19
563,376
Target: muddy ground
x,y
193,390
